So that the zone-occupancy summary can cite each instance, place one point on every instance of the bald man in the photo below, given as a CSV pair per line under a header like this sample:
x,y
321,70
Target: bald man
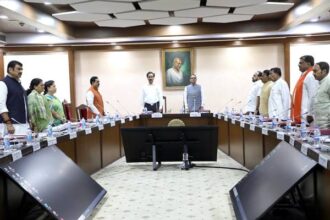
x,y
174,75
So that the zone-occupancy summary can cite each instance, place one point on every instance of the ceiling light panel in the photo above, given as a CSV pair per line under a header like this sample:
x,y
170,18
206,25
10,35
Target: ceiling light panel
x,y
120,23
169,5
201,12
173,21
227,18
233,3
80,16
103,7
142,15
58,2
265,8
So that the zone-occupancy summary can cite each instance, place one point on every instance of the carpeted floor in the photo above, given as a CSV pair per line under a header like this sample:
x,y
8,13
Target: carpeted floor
x,y
136,192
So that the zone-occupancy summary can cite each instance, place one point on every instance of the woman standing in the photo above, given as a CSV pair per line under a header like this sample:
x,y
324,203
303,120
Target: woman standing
x,y
55,104
39,111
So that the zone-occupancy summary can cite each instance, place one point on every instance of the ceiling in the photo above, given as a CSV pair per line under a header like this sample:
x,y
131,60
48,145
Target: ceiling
x,y
81,21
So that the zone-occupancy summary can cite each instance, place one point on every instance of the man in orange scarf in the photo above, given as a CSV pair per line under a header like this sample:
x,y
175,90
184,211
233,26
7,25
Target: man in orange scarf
x,y
305,90
94,99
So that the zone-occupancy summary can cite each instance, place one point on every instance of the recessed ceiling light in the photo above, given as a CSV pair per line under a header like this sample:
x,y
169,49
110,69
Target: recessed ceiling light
x,y
3,17
314,20
47,3
40,31
308,35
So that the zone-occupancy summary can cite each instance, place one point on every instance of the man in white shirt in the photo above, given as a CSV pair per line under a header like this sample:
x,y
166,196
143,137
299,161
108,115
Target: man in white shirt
x,y
174,75
304,91
279,98
152,95
254,94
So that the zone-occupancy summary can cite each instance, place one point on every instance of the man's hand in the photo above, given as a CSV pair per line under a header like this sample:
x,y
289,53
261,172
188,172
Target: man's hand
x,y
10,128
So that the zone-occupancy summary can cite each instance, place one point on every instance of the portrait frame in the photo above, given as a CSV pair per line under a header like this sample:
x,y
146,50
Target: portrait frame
x,y
168,56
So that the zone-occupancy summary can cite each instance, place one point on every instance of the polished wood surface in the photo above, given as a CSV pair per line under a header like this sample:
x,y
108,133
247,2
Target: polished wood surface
x,y
253,144
68,147
89,152
223,136
236,141
72,77
110,138
270,142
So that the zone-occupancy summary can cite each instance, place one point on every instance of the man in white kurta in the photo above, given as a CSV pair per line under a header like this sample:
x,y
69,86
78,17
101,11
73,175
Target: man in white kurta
x,y
305,90
321,107
152,96
279,98
252,99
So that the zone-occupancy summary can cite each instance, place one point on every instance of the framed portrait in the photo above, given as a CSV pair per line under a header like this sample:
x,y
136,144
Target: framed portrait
x,y
177,66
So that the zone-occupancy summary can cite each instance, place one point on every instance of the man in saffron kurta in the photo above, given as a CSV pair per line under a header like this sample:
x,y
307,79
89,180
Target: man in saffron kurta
x,y
305,90
94,99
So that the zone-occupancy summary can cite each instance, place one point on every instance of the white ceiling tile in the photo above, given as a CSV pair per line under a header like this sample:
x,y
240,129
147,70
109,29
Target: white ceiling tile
x,y
169,5
80,16
120,23
265,8
227,18
103,7
142,15
55,2
201,12
233,3
173,21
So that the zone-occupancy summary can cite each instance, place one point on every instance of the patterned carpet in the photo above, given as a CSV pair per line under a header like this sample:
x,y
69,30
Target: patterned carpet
x,y
136,192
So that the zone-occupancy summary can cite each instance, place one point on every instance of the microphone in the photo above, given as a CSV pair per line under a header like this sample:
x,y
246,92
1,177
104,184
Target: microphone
x,y
125,109
279,114
227,103
113,107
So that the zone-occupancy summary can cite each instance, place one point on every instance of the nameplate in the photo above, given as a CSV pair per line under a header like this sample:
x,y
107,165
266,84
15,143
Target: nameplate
x,y
304,148
219,116
112,124
138,117
226,118
122,121
16,155
233,121
292,140
264,131
242,124
252,127
73,135
214,115
130,118
280,135
82,217
88,130
323,161
101,127
156,115
51,141
195,114
36,146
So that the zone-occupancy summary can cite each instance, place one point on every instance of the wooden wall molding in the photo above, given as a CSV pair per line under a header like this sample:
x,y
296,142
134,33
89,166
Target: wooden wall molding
x,y
2,65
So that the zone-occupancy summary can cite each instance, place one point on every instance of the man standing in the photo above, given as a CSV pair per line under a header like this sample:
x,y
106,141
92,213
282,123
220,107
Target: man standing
x,y
265,92
174,75
13,104
321,107
152,96
253,98
279,98
94,99
193,95
305,89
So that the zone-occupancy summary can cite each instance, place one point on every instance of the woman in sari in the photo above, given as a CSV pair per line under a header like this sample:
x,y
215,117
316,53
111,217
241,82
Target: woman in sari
x,y
55,104
39,111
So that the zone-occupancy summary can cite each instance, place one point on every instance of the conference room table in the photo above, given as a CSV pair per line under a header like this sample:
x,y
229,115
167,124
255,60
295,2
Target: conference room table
x,y
97,147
